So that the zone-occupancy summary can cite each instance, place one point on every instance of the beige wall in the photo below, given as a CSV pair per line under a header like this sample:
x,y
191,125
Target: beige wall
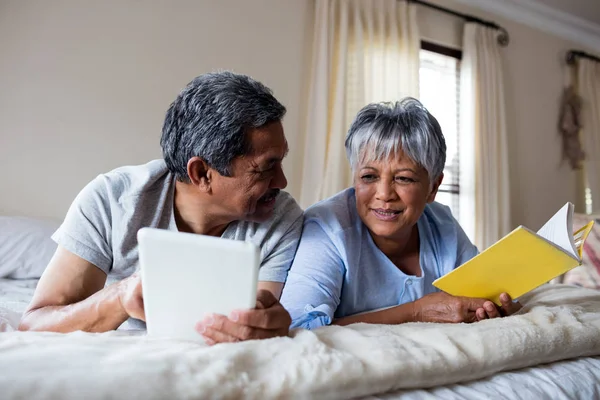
x,y
534,74
84,85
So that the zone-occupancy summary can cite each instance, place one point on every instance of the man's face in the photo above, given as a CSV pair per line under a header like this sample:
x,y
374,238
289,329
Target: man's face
x,y
256,178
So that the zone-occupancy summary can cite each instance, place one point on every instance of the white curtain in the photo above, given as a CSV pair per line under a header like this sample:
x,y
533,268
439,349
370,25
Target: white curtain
x,y
484,185
588,82
363,51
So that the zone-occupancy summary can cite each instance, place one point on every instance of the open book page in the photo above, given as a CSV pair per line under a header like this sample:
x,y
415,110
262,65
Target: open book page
x,y
558,230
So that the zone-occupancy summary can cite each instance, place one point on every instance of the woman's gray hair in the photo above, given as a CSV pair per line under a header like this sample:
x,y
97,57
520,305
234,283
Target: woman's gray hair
x,y
380,130
210,117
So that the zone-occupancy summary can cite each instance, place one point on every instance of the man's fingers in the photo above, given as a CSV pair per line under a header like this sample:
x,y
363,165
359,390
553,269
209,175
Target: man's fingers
x,y
265,299
226,328
212,336
270,318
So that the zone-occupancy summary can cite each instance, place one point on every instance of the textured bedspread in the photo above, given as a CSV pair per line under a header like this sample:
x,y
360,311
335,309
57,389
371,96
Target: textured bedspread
x,y
557,322
14,297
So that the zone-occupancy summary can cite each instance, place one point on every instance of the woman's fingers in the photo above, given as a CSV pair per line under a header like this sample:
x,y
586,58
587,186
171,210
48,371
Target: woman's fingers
x,y
481,314
508,305
491,310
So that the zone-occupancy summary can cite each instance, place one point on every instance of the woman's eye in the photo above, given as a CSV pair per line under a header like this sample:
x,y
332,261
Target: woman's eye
x,y
368,178
405,179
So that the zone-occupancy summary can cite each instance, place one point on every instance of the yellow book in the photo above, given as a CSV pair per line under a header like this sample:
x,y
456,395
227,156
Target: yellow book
x,y
520,261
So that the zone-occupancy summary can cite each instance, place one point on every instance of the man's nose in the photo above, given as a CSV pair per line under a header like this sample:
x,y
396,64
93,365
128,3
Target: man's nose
x,y
279,181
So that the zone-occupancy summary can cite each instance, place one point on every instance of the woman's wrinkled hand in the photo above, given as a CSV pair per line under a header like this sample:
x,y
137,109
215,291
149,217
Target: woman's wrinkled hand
x,y
491,310
444,308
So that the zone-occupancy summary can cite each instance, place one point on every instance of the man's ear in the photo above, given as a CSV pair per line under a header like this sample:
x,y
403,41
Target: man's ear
x,y
199,173
434,188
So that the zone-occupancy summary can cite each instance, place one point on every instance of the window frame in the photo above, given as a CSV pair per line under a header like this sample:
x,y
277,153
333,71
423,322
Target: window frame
x,y
457,54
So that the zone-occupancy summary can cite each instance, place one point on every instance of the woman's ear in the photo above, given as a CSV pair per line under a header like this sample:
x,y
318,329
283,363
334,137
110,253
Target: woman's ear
x,y
434,188
199,173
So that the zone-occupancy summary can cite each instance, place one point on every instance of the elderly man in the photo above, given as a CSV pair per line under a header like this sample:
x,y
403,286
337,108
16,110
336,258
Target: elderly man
x,y
223,146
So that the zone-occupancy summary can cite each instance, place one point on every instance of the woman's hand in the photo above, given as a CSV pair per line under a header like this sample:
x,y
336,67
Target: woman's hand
x,y
491,310
444,308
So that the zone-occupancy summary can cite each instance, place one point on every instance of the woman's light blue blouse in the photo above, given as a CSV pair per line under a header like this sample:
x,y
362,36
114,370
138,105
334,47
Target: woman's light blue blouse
x,y
339,271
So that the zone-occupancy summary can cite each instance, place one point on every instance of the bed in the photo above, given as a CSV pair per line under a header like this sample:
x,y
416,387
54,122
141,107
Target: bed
x,y
550,350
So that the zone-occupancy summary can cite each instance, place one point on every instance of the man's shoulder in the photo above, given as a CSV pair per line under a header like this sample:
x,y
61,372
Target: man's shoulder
x,y
286,214
286,207
132,179
124,188
286,221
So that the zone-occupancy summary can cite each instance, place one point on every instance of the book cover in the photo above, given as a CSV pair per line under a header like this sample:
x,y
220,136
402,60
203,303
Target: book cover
x,y
516,264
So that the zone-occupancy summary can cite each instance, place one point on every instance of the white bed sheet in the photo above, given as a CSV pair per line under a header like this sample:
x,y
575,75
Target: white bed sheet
x,y
14,298
577,379
571,379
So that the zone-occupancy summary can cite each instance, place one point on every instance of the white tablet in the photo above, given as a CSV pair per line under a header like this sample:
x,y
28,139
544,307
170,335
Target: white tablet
x,y
185,276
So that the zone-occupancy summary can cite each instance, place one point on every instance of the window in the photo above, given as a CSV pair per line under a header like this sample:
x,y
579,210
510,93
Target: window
x,y
439,76
588,200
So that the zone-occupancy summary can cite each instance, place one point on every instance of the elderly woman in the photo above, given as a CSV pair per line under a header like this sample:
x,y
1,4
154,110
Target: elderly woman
x,y
371,252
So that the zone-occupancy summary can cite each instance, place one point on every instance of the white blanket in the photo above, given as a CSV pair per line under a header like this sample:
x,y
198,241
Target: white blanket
x,y
15,294
558,322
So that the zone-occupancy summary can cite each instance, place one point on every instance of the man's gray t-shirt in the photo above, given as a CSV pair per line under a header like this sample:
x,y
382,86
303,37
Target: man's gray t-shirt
x,y
102,223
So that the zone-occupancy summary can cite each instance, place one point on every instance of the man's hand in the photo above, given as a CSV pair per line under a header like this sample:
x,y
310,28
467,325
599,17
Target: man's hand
x,y
130,296
491,310
269,319
444,308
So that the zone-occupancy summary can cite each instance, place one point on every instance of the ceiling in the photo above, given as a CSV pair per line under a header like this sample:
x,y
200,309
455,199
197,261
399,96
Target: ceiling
x,y
586,9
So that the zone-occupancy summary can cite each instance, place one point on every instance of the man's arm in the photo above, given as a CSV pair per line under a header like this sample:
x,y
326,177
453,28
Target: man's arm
x,y
274,287
71,296
269,318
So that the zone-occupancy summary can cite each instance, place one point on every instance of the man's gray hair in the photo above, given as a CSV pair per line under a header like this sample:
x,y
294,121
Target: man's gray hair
x,y
380,130
210,117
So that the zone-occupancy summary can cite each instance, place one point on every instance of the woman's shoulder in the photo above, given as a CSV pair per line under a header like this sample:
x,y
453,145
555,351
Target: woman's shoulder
x,y
440,220
438,213
335,213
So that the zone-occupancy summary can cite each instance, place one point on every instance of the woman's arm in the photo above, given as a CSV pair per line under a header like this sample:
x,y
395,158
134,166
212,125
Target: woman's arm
x,y
390,316
312,291
435,307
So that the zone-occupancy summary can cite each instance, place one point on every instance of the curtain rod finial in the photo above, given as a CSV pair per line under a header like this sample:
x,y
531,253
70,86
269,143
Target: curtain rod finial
x,y
570,57
503,37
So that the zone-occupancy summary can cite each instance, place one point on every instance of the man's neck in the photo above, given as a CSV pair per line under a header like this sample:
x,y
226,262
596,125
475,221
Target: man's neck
x,y
194,214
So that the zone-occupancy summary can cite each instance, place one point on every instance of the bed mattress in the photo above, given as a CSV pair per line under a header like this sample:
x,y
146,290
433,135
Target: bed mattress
x,y
35,365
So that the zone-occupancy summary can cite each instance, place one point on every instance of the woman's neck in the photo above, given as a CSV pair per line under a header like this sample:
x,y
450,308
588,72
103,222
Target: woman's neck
x,y
402,250
193,214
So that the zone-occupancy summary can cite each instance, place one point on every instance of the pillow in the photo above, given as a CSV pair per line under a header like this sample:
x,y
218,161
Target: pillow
x,y
25,246
588,274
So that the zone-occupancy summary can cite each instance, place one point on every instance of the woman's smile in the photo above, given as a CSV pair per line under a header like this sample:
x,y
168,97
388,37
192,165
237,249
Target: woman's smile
x,y
386,214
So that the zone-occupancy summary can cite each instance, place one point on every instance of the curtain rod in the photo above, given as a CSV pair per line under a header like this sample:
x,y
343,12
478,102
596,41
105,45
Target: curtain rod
x,y
572,56
503,37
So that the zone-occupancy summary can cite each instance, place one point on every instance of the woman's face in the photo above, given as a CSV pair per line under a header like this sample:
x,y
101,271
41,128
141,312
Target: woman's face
x,y
391,194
